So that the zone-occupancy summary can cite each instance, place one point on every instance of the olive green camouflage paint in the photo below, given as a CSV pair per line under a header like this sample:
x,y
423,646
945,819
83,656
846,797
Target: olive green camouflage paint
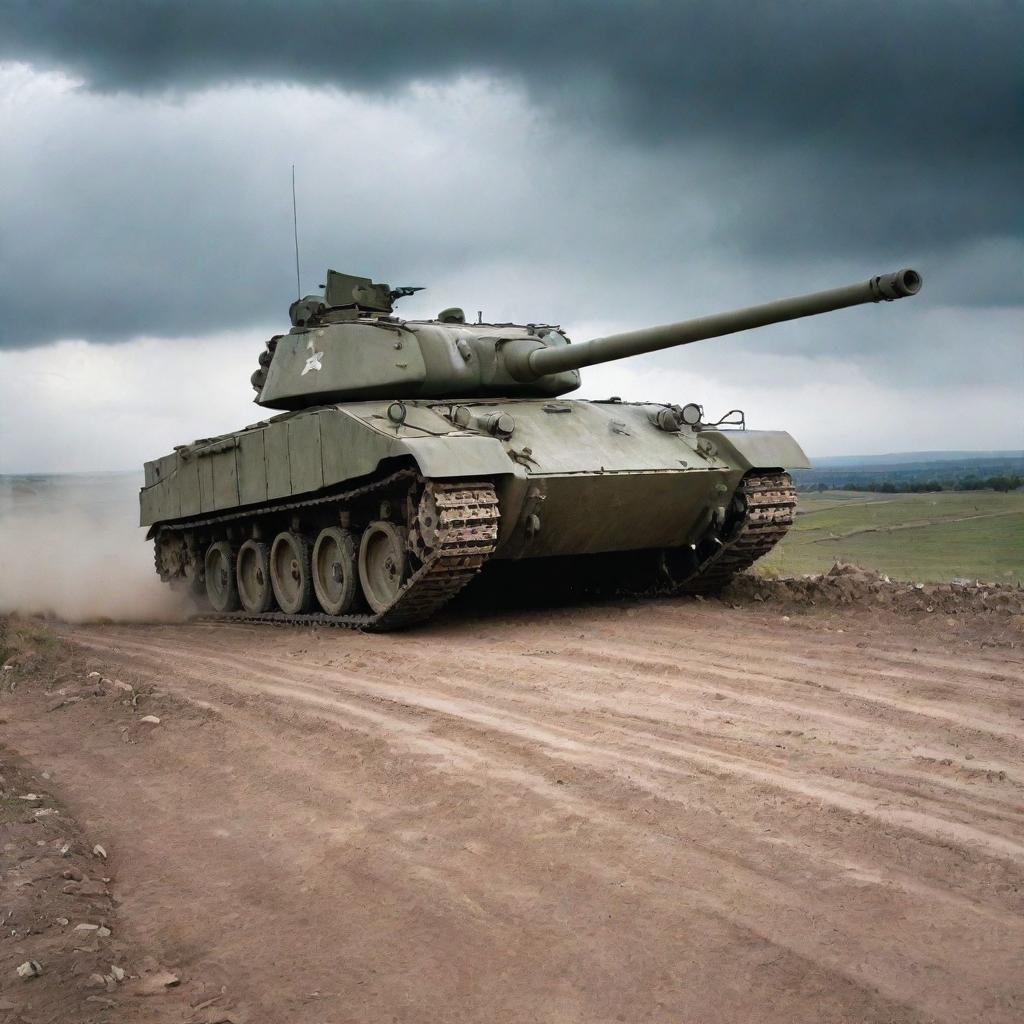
x,y
365,391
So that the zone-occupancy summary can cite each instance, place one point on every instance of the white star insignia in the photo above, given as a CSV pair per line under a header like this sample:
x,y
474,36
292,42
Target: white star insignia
x,y
314,361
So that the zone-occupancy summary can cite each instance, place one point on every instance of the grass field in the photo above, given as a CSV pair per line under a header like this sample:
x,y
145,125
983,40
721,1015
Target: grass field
x,y
927,537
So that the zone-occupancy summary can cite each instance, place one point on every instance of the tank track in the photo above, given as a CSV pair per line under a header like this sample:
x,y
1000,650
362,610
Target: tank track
x,y
469,516
769,503
466,535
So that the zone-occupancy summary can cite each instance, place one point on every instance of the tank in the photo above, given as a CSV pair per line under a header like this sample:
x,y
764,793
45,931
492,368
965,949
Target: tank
x,y
409,456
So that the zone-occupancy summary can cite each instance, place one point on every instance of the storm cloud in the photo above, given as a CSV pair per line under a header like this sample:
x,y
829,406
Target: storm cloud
x,y
811,132
591,164
903,77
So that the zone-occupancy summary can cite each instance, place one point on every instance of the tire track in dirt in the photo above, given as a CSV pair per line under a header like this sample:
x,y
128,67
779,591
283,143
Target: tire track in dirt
x,y
861,675
792,940
835,887
855,797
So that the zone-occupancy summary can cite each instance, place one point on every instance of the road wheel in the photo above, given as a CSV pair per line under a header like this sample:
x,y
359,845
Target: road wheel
x,y
219,570
382,560
253,577
335,577
289,572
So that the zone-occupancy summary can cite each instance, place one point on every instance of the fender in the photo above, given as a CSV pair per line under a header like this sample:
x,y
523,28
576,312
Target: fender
x,y
452,456
758,449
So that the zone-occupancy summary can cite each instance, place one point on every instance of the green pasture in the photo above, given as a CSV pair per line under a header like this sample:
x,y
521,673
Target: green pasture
x,y
927,537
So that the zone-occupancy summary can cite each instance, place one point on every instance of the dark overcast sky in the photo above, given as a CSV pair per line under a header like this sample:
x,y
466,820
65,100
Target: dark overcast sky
x,y
589,163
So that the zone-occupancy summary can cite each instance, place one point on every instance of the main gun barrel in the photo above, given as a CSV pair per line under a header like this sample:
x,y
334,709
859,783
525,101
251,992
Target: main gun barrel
x,y
542,361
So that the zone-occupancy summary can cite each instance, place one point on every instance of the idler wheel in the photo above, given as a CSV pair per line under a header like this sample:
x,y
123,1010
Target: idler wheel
x,y
219,570
382,560
253,577
335,577
290,573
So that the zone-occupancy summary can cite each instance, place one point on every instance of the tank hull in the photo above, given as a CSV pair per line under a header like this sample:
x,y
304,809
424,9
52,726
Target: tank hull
x,y
573,477
451,487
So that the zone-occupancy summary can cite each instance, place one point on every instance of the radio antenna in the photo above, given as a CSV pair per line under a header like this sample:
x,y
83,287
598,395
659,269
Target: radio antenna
x,y
295,229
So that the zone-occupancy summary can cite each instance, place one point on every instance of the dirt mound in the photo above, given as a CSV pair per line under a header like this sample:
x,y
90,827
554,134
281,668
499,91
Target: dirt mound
x,y
847,584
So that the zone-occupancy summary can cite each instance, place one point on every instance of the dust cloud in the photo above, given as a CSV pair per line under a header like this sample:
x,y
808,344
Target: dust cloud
x,y
70,548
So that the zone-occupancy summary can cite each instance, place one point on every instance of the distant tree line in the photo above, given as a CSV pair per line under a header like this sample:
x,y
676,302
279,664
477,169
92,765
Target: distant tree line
x,y
1003,482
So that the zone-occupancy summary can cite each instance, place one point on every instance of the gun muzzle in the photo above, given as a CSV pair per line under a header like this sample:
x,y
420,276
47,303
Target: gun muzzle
x,y
900,285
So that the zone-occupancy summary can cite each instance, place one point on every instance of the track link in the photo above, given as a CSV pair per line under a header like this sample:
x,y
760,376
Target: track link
x,y
466,536
769,501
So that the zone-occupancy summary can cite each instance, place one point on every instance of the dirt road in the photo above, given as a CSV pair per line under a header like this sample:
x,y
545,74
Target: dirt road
x,y
665,811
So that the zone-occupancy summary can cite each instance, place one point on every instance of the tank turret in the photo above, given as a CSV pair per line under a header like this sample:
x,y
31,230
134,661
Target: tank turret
x,y
348,346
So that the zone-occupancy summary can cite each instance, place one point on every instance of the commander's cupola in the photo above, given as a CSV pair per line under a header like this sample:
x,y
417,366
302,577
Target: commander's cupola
x,y
347,297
